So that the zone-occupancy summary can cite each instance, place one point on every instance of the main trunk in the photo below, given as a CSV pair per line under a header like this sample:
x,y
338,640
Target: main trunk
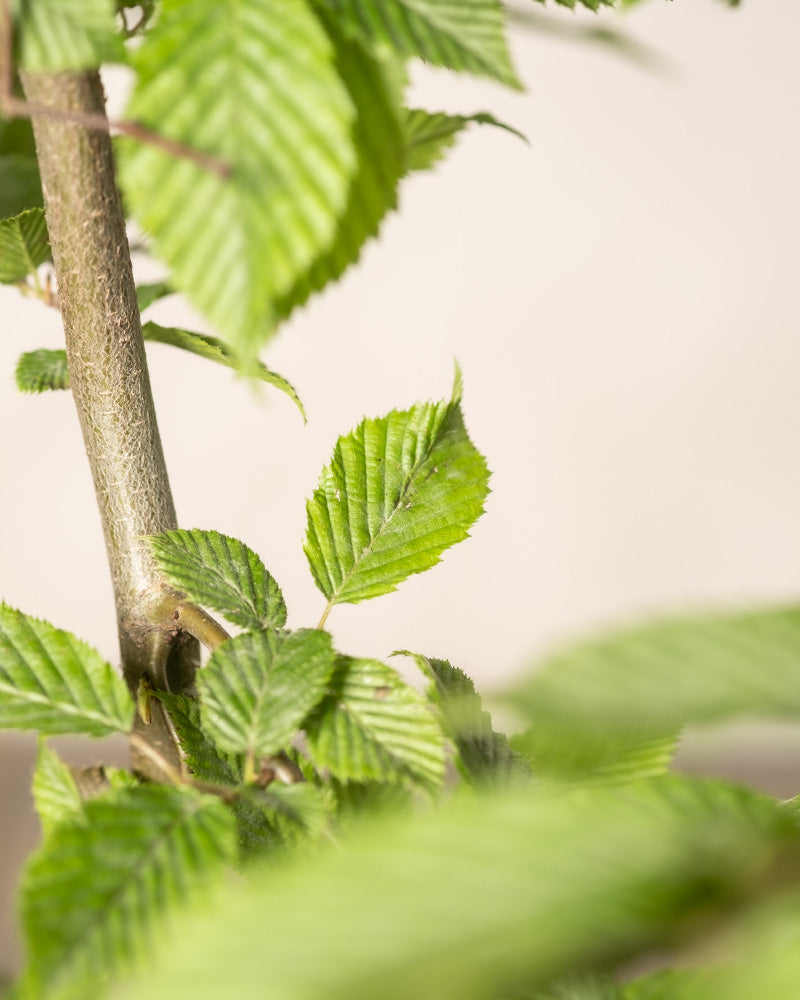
x,y
107,364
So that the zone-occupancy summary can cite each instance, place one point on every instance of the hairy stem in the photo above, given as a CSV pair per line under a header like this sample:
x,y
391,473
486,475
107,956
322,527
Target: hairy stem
x,y
108,370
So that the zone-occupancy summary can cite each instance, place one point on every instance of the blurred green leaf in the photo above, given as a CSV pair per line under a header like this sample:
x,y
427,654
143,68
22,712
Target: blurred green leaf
x,y
23,245
428,135
38,371
58,35
55,792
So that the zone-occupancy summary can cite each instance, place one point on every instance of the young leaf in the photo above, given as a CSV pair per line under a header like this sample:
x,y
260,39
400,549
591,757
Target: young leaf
x,y
489,893
667,674
38,371
398,492
23,245
293,810
66,34
258,688
372,192
147,294
55,792
482,754
205,760
213,349
93,896
222,574
53,682
374,727
257,89
428,135
467,36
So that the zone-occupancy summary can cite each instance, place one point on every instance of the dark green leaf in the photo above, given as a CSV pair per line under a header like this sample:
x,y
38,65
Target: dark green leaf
x,y
398,492
203,759
482,754
258,688
221,573
374,727
53,682
372,193
38,371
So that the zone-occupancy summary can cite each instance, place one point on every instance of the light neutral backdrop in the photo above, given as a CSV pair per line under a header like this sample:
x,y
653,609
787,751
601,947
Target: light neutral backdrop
x,y
622,297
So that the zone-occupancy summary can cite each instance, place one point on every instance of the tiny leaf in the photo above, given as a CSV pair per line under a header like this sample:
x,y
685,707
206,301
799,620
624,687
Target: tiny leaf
x,y
428,135
147,294
258,688
374,727
55,792
23,245
53,682
38,371
221,573
398,492
213,349
483,755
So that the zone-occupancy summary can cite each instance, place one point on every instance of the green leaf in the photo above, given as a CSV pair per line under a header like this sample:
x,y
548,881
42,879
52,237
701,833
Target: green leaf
x,y
591,4
147,294
258,688
398,492
203,758
482,754
55,792
93,896
38,371
428,135
258,90
595,755
468,35
20,187
294,811
221,573
372,193
213,349
667,674
374,727
487,894
53,682
66,34
23,245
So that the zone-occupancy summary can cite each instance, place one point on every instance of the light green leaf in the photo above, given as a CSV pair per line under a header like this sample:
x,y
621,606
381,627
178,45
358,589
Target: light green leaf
x,y
203,759
38,371
591,4
300,810
258,90
485,895
213,349
667,674
55,792
147,294
258,688
482,755
595,755
374,727
23,245
53,682
373,187
428,135
93,896
468,35
221,573
398,492
66,34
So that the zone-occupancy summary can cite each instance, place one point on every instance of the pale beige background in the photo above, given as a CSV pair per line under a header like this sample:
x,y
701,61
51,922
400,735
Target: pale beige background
x,y
622,297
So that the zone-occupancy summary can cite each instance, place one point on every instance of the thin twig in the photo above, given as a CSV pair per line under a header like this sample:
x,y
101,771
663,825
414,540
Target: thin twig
x,y
14,107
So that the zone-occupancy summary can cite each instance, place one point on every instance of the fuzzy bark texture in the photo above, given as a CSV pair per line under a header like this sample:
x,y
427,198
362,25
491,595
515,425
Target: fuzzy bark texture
x,y
107,366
